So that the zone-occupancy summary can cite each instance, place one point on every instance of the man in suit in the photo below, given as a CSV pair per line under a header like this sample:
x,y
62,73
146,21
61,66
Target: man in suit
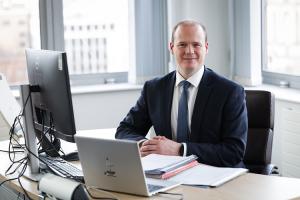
x,y
193,110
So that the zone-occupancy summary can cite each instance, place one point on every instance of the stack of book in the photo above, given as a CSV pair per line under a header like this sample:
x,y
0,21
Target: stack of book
x,y
164,167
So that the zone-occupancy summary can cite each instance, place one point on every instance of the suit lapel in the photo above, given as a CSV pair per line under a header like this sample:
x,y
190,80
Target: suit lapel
x,y
168,100
202,97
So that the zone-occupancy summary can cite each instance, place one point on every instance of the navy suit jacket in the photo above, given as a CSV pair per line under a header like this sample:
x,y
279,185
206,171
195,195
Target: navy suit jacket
x,y
219,121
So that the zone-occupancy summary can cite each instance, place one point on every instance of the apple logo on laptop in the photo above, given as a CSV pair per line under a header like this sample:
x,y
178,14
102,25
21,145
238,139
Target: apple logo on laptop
x,y
109,166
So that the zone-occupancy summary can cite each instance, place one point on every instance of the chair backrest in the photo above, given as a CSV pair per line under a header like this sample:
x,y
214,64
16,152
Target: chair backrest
x,y
260,108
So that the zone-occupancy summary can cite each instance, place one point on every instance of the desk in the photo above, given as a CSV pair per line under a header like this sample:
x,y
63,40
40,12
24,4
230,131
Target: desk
x,y
248,186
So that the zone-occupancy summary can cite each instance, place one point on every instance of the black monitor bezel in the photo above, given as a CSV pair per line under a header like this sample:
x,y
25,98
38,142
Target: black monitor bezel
x,y
37,58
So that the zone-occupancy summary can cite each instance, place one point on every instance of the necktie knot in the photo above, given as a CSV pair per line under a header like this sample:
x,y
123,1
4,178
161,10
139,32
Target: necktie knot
x,y
185,84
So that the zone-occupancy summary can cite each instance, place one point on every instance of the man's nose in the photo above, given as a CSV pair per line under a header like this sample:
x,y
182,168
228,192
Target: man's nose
x,y
189,49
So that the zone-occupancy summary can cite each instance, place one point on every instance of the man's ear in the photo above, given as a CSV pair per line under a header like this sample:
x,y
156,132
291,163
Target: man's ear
x,y
206,47
171,46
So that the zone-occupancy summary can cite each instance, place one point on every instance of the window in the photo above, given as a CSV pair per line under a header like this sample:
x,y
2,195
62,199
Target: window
x,y
96,37
281,44
104,39
19,25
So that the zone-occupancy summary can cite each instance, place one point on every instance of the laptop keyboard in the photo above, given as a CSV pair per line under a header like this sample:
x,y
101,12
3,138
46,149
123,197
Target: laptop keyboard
x,y
153,188
63,168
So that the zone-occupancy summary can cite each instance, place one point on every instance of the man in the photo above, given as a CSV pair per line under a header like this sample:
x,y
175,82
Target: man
x,y
193,110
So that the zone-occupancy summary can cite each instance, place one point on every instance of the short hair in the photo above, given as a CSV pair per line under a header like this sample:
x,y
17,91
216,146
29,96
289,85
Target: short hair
x,y
188,22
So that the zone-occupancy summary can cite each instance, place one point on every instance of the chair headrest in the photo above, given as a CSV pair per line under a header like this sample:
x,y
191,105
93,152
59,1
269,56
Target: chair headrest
x,y
260,108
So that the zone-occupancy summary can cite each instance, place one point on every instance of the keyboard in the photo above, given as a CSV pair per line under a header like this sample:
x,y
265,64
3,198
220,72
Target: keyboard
x,y
62,168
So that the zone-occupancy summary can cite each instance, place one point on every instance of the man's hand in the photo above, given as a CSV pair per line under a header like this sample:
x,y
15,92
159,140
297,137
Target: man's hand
x,y
160,145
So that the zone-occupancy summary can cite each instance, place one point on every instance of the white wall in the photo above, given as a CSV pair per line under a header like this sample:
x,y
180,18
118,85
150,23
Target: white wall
x,y
213,14
103,109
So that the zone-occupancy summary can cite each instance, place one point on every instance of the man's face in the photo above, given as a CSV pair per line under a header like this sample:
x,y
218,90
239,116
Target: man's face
x,y
189,49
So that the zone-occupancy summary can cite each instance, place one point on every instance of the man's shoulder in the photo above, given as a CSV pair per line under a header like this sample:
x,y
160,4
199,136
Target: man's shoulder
x,y
166,79
219,81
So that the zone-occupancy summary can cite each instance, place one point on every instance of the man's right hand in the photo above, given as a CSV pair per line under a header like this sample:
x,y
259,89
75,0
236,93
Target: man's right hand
x,y
160,145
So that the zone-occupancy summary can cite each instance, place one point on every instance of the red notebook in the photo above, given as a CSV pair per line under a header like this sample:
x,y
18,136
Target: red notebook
x,y
174,172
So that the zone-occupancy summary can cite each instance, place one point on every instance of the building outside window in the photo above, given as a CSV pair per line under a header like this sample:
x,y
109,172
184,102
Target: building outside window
x,y
19,25
96,36
281,46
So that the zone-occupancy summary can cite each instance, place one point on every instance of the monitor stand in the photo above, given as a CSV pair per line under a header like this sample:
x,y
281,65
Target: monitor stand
x,y
33,169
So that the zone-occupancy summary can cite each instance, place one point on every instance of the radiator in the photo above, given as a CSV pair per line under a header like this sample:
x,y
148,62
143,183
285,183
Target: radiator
x,y
290,130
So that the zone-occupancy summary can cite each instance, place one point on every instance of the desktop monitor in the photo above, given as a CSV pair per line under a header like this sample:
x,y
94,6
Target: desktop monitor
x,y
48,110
51,111
52,103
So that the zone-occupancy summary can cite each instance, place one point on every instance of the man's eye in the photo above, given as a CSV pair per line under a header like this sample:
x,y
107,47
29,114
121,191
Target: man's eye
x,y
181,45
197,45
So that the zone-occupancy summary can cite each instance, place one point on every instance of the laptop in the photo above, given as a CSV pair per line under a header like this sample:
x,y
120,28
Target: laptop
x,y
115,165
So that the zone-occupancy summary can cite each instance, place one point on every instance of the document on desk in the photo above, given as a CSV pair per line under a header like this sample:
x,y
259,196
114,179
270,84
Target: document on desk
x,y
205,175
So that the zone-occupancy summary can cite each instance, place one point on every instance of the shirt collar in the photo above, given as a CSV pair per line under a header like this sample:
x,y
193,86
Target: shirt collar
x,y
194,79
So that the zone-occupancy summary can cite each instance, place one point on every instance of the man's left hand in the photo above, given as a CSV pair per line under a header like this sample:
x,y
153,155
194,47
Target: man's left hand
x,y
160,145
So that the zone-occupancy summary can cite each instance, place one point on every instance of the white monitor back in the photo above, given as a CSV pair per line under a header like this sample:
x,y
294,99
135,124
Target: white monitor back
x,y
9,108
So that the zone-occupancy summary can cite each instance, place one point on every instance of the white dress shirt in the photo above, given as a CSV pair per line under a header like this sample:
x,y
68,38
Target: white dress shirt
x,y
193,90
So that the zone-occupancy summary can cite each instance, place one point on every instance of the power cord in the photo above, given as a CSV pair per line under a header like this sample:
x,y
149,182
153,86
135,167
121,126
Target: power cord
x,y
48,138
21,162
18,163
5,151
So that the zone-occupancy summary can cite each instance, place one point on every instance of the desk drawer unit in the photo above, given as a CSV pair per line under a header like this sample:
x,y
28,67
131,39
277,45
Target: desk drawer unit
x,y
290,128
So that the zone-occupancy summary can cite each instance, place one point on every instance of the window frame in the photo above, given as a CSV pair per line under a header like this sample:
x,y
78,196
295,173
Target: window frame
x,y
274,78
52,38
148,27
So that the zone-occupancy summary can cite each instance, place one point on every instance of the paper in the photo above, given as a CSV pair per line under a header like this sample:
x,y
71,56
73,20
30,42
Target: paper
x,y
206,175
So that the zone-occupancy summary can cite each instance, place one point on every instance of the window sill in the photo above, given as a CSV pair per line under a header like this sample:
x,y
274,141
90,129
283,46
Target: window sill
x,y
88,89
285,94
104,88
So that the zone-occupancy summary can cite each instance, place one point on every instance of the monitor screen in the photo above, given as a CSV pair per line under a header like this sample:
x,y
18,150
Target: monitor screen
x,y
52,103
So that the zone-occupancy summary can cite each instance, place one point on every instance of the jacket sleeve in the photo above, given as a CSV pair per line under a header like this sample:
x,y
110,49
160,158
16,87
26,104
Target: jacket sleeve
x,y
229,152
137,123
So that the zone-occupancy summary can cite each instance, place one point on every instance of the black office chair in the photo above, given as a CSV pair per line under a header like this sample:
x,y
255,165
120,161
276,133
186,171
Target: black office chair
x,y
260,107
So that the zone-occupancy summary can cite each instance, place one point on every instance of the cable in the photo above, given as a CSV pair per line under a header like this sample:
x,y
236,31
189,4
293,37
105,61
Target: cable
x,y
18,163
5,151
50,148
19,180
21,162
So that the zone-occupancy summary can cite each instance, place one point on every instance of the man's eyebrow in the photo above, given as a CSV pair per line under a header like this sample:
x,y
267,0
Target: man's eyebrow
x,y
197,43
181,42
